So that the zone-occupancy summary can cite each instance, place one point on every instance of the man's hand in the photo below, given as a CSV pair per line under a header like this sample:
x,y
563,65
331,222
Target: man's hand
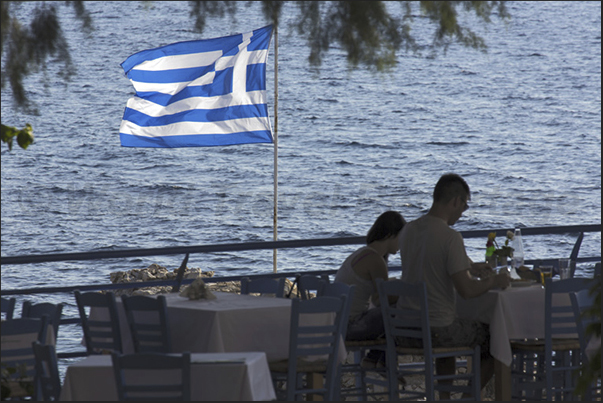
x,y
469,287
481,270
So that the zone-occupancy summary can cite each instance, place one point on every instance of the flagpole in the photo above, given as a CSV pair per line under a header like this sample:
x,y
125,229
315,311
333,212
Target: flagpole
x,y
275,143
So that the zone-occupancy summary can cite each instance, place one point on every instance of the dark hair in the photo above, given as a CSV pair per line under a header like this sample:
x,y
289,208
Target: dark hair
x,y
450,186
386,225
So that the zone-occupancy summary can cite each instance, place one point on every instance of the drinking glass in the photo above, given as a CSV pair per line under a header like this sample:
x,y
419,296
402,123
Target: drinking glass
x,y
564,268
545,272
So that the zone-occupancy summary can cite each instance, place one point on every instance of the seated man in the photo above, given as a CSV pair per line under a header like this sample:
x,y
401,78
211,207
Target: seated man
x,y
434,253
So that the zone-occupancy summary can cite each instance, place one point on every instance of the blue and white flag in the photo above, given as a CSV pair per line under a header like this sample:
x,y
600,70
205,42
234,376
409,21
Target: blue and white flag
x,y
199,93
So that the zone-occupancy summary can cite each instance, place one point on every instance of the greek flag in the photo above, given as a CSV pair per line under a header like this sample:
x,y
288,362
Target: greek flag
x,y
199,93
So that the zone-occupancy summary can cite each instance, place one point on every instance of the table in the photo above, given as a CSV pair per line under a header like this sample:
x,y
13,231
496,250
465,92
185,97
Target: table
x,y
214,377
515,313
230,323
19,342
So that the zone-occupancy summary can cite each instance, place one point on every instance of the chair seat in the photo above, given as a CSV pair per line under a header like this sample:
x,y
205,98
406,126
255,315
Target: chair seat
x,y
364,343
302,366
539,346
435,350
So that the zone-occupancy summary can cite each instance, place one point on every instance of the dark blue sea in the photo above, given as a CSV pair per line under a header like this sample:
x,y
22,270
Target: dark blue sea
x,y
522,124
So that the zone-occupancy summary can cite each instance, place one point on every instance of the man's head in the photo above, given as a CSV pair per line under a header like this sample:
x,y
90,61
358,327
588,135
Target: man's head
x,y
452,193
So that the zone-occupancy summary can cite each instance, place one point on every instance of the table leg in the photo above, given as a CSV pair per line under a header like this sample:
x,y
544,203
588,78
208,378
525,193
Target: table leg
x,y
315,380
502,382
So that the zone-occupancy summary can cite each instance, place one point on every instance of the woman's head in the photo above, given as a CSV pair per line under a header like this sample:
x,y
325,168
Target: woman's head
x,y
388,224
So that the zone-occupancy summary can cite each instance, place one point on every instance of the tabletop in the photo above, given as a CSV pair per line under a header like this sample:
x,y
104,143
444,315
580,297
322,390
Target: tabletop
x,y
230,323
515,313
214,377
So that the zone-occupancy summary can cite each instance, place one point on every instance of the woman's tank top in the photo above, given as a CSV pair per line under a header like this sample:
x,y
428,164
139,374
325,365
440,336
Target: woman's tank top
x,y
364,288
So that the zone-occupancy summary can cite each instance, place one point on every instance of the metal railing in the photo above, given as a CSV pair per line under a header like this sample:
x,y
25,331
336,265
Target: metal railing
x,y
232,247
304,243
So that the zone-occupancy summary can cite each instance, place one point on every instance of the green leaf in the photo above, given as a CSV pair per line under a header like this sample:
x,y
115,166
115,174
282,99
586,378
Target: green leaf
x,y
24,136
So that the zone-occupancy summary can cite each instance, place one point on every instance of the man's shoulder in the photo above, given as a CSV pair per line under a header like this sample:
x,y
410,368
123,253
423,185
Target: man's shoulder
x,y
431,222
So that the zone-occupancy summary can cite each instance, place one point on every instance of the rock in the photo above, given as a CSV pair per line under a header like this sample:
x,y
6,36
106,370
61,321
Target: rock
x,y
157,272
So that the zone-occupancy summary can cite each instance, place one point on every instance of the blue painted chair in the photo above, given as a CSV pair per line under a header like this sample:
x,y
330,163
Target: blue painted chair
x,y
544,369
582,302
263,286
148,321
53,311
309,285
363,377
8,307
555,262
152,376
412,325
17,353
47,374
102,333
574,255
311,340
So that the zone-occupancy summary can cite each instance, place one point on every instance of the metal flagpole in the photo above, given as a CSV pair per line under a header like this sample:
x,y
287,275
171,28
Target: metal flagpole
x,y
275,143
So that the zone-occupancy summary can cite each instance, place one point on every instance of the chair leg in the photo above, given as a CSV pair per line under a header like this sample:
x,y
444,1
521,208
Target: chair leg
x,y
359,378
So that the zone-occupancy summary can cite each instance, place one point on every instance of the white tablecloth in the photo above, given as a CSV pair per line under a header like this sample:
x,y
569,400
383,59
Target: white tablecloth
x,y
246,377
230,323
515,313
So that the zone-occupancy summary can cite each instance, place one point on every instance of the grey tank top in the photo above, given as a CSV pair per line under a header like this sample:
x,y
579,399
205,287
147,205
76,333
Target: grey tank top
x,y
364,288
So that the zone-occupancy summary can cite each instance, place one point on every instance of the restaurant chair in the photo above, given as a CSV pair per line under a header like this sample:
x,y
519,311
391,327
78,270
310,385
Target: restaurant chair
x,y
263,286
412,324
309,285
102,333
148,321
8,307
18,355
582,302
544,369
555,262
574,255
363,377
47,375
313,349
53,311
152,376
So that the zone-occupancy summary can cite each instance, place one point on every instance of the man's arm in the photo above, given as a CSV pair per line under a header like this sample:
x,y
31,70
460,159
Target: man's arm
x,y
468,287
481,270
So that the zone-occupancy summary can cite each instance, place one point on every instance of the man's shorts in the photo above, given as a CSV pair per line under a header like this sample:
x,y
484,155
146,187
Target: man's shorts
x,y
461,332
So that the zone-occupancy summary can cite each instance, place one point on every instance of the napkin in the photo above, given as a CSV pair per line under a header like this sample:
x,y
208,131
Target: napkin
x,y
197,290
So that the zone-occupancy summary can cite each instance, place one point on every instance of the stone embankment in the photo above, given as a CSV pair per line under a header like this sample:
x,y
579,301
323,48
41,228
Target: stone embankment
x,y
160,273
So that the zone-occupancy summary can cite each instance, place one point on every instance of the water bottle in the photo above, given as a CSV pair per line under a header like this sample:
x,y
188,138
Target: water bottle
x,y
517,249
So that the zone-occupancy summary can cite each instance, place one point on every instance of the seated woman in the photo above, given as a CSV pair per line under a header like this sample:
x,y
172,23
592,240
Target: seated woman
x,y
362,268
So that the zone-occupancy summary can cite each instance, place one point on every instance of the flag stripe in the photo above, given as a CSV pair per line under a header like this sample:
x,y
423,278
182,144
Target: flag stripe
x,y
179,61
184,72
191,128
218,102
208,90
199,140
197,115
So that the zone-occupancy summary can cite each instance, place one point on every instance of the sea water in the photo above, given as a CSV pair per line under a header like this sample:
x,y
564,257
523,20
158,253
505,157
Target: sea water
x,y
521,123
